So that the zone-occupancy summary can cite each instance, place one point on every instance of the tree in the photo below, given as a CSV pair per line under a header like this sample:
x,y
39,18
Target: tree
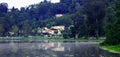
x,y
113,28
78,21
3,8
95,12
64,21
26,28
87,18
15,29
66,33
1,29
50,24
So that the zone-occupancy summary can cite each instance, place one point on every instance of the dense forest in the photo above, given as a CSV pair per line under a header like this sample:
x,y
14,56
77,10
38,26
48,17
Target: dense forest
x,y
82,18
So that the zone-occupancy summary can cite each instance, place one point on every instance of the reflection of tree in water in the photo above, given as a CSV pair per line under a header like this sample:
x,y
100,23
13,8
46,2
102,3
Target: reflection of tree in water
x,y
71,49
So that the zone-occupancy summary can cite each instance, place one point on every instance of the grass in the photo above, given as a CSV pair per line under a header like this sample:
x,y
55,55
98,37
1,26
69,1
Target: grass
x,y
52,39
112,48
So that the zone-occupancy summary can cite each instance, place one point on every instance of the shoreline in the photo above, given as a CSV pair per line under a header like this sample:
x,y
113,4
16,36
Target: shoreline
x,y
51,39
112,49
57,39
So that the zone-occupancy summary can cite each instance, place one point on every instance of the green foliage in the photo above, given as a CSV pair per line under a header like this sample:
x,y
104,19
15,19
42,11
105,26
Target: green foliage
x,y
95,12
66,33
60,21
88,19
15,29
50,24
112,48
112,29
84,19
78,22
26,28
64,20
1,29
3,9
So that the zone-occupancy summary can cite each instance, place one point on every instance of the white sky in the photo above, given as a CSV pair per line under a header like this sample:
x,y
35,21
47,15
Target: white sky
x,y
22,3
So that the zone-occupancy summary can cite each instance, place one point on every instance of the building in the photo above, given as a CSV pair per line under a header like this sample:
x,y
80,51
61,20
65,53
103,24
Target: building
x,y
58,15
48,31
53,31
58,27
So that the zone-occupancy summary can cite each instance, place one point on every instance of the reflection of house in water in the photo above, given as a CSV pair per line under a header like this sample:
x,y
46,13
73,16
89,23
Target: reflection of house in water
x,y
54,46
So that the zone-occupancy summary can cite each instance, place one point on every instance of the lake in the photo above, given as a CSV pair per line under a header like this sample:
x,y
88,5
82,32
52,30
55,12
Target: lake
x,y
53,49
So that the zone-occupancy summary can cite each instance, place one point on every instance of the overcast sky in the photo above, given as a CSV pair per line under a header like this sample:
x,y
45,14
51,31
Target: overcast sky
x,y
22,3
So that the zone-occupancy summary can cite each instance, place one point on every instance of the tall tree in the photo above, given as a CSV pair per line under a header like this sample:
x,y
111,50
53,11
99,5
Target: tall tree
x,y
113,28
95,12
26,28
3,8
78,21
1,29
15,29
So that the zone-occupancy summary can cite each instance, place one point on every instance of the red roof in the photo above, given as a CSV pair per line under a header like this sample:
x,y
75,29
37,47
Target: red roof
x,y
48,31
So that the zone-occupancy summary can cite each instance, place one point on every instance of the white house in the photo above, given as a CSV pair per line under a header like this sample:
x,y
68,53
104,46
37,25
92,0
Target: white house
x,y
58,15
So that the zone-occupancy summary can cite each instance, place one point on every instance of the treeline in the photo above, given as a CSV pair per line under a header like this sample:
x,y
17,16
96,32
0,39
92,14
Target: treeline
x,y
83,18
77,13
26,20
89,18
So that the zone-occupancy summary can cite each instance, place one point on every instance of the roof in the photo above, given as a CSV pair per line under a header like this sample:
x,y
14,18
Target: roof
x,y
59,15
48,31
58,27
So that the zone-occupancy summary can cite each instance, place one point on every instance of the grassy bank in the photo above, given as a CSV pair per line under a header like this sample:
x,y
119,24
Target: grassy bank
x,y
53,39
112,48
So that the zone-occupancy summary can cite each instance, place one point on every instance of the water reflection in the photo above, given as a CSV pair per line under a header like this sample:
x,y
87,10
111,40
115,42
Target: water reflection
x,y
53,49
53,46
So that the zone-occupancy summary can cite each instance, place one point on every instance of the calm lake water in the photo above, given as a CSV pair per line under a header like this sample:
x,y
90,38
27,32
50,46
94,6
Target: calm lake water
x,y
53,49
